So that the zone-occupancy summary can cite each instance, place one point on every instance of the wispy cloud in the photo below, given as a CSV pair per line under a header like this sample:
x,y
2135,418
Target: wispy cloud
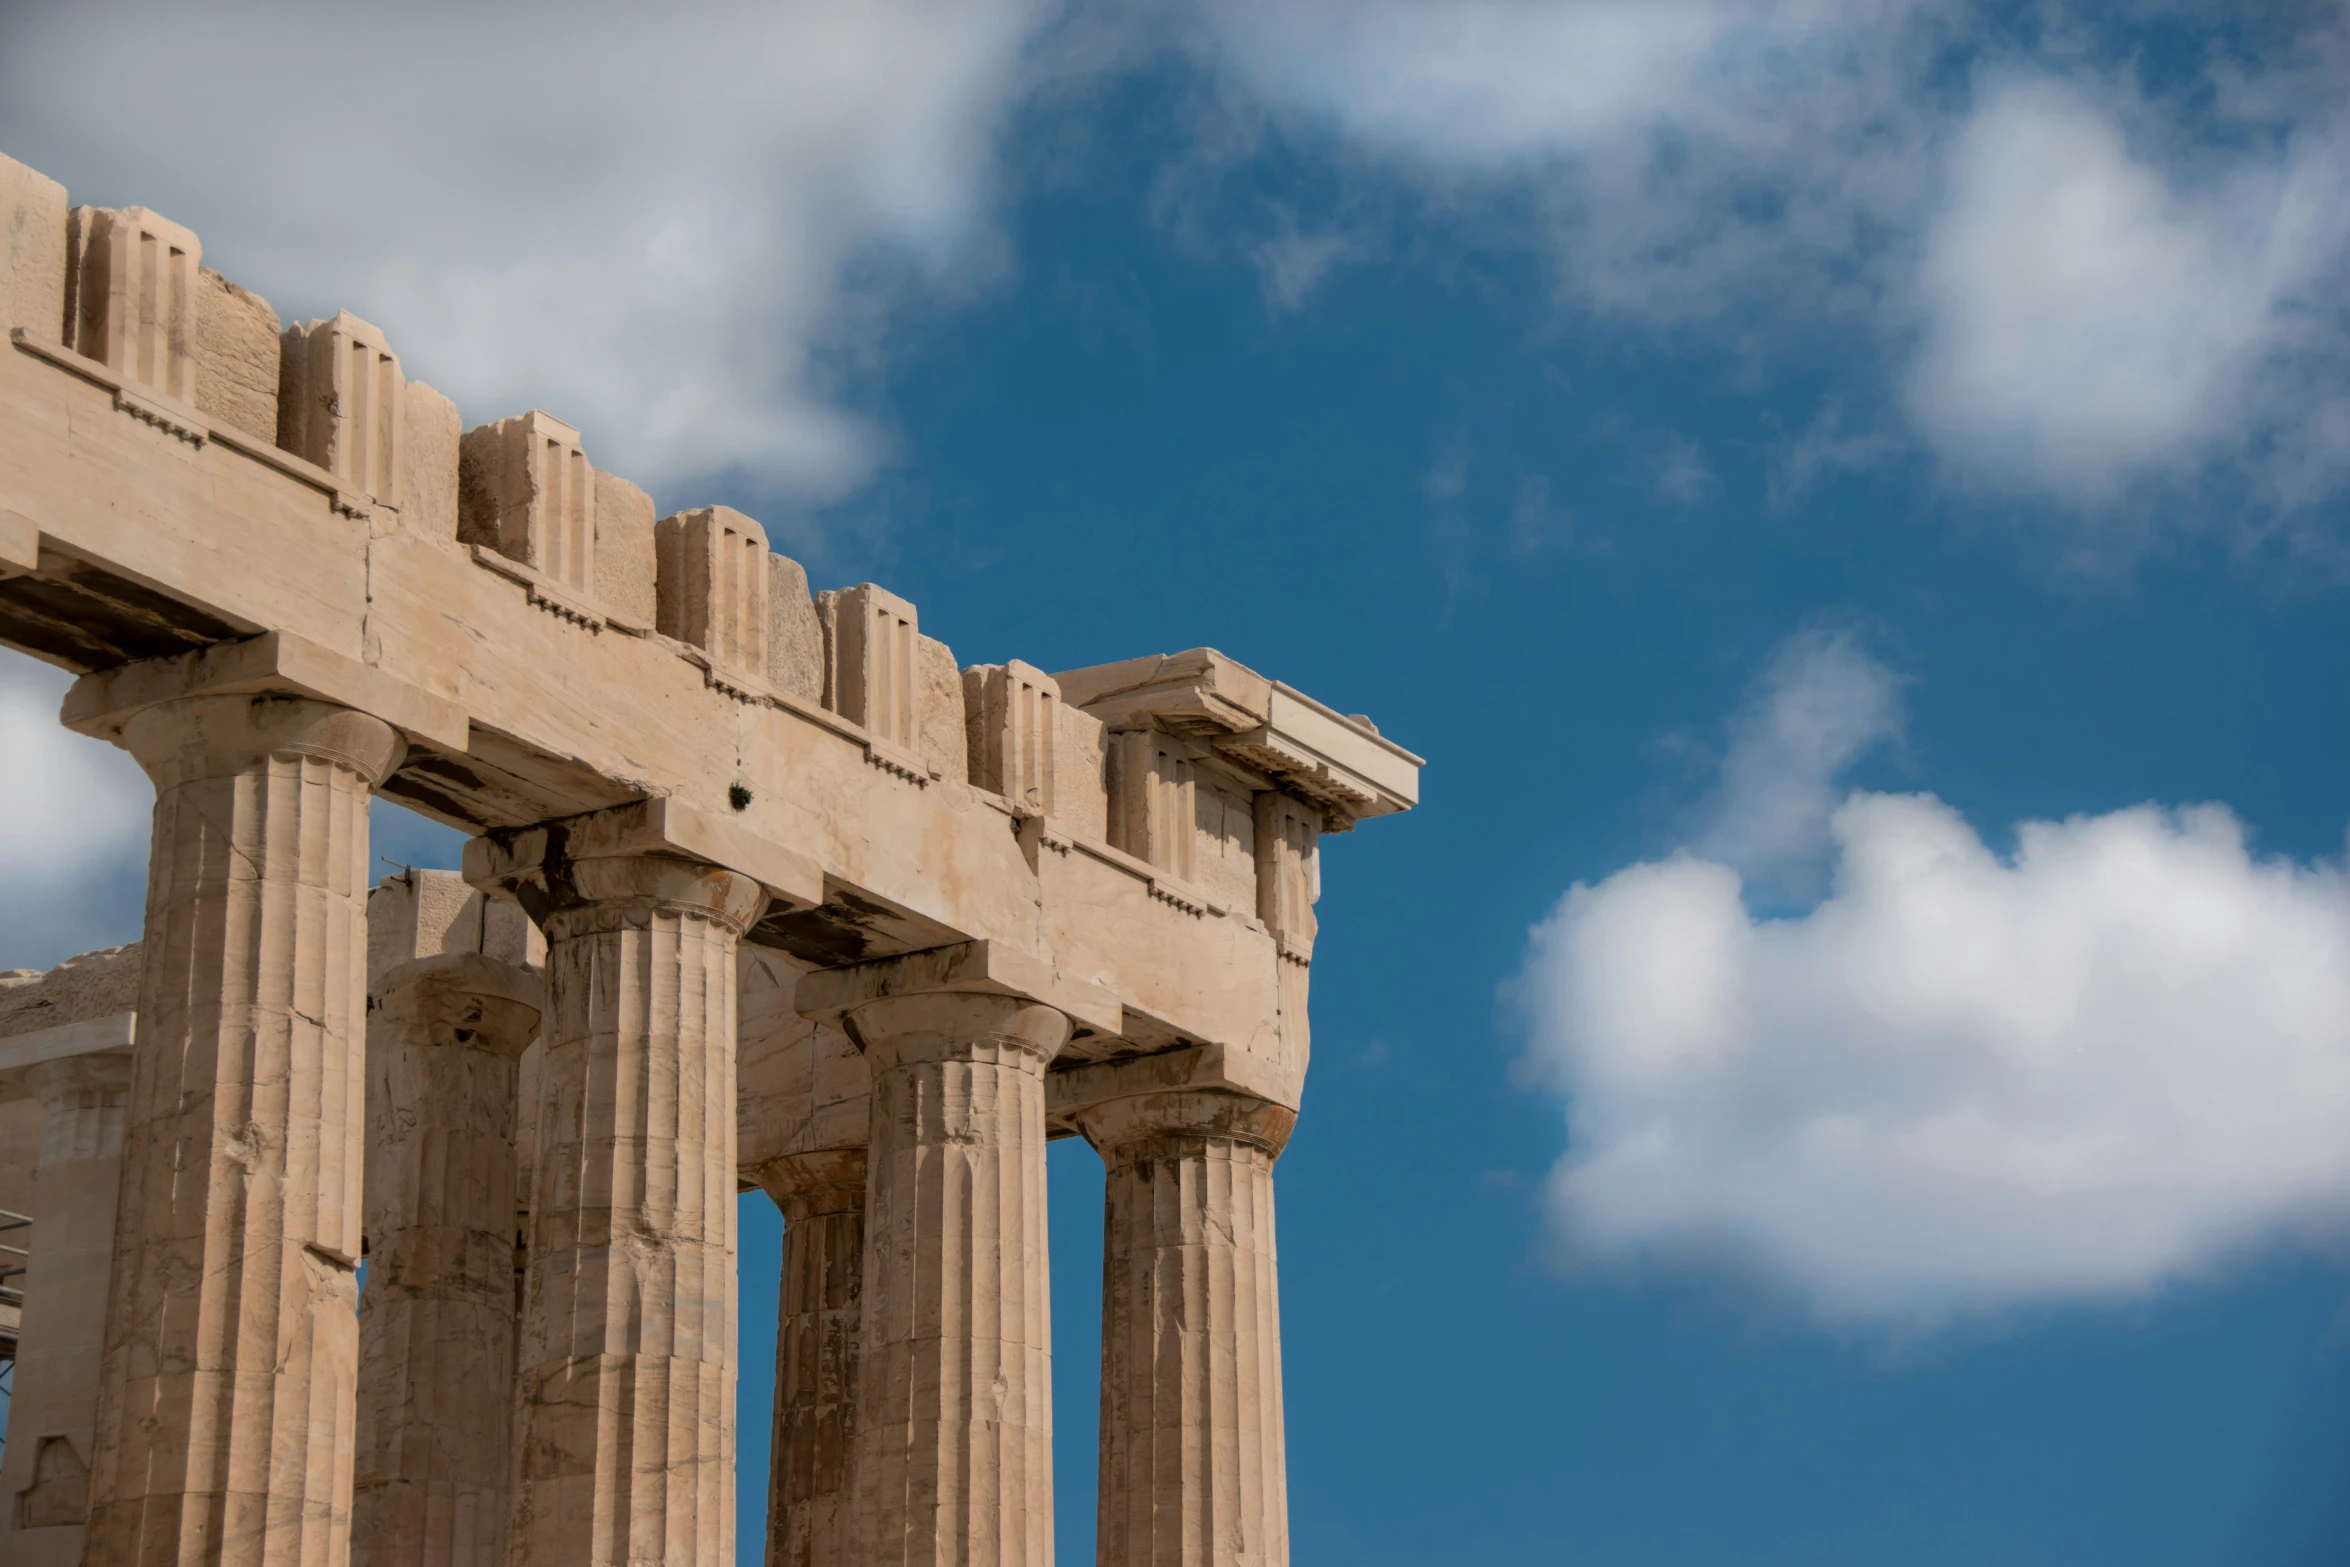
x,y
2062,282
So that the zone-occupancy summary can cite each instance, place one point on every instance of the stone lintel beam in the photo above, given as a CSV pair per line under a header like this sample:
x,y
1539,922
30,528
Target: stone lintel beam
x,y
20,544
274,663
85,1036
537,866
830,996
1074,1090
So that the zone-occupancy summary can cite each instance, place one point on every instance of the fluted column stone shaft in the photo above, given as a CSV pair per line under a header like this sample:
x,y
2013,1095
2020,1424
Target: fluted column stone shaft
x,y
226,1393
436,1321
1193,1465
53,1398
626,1375
811,1468
954,1408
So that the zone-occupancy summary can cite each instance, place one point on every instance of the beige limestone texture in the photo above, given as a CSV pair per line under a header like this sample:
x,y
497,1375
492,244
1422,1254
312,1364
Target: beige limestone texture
x,y
1012,719
626,1362
32,251
827,607
1193,1468
225,1395
804,1088
627,568
877,664
132,294
1224,861
53,1399
795,637
527,491
436,1322
342,403
423,913
1081,790
713,586
93,985
954,1409
428,462
810,1490
236,356
20,1148
940,735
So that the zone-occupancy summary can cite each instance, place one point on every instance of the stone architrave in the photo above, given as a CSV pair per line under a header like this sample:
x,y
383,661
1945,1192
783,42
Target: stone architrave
x,y
954,1407
810,1485
226,1392
45,1480
624,1427
436,1323
1193,1468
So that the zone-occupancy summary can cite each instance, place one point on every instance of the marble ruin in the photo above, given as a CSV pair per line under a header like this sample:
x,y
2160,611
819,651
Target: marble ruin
x,y
762,892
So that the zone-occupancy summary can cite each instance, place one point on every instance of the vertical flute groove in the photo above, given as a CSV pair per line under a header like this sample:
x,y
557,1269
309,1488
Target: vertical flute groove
x,y
226,1402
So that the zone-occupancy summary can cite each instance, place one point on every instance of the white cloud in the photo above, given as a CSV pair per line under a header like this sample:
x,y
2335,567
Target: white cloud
x,y
660,223
74,816
1963,1081
2091,318
2076,287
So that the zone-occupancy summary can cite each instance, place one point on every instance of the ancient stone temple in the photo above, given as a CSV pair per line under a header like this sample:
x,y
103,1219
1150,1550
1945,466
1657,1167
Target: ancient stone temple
x,y
762,891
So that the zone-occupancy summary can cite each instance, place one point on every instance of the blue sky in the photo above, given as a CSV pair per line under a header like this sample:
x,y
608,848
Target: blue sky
x,y
1764,456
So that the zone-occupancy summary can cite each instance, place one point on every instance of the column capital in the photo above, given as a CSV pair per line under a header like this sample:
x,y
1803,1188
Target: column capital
x,y
194,737
809,1185
955,1025
1186,1114
966,968
497,1004
276,663
662,851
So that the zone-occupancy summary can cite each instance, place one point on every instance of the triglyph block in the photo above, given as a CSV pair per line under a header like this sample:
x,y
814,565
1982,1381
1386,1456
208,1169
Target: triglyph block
x,y
1015,724
1288,870
526,490
1152,815
341,403
133,286
713,586
875,648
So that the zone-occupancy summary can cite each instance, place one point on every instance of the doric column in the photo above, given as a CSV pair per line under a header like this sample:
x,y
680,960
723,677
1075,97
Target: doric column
x,y
53,1401
954,1408
436,1322
232,1345
626,1368
822,1196
1193,1472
